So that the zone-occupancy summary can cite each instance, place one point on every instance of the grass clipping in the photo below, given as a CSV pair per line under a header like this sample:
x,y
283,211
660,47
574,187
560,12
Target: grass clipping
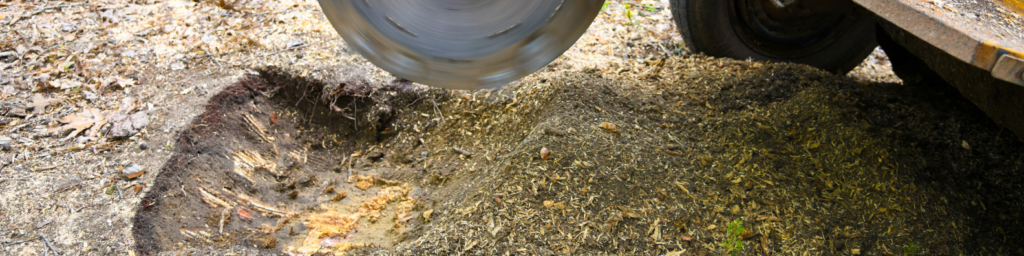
x,y
327,231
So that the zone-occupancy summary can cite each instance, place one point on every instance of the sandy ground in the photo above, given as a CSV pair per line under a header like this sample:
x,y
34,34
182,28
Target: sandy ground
x,y
160,65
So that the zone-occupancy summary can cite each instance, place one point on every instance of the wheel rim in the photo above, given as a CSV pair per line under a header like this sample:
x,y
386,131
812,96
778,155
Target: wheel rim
x,y
785,33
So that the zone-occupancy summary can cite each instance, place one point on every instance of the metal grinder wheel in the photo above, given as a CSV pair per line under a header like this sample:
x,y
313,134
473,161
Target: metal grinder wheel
x,y
461,44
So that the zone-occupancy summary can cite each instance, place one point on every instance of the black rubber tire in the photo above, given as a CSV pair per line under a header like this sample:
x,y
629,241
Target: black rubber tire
x,y
711,27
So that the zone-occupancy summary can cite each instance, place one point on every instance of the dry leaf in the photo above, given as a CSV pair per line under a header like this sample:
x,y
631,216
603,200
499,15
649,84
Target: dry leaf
x,y
65,84
132,171
746,234
116,80
39,103
225,5
124,82
79,122
134,175
104,82
15,17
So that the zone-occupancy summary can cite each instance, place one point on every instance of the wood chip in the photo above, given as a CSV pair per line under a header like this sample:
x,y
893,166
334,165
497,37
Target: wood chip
x,y
224,216
339,196
611,127
281,222
44,168
247,162
244,213
212,200
270,210
463,152
256,127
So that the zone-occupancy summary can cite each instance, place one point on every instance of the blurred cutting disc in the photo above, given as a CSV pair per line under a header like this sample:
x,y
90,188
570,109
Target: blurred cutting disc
x,y
461,44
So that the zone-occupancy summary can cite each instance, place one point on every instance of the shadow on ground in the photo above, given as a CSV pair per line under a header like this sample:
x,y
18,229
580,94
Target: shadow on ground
x,y
632,162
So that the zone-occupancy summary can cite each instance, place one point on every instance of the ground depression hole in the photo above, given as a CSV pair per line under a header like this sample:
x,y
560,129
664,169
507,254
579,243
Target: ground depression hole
x,y
284,164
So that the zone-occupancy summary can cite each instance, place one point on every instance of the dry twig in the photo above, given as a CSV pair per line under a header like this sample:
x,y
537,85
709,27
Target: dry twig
x,y
58,6
286,49
47,241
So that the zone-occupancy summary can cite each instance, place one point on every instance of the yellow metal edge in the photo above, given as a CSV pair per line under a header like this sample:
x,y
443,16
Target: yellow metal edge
x,y
1018,5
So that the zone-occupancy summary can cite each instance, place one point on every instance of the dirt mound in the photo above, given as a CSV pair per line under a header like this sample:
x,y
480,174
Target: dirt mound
x,y
653,158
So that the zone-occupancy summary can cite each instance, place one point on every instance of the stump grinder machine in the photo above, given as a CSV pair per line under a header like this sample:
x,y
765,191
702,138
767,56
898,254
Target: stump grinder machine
x,y
975,45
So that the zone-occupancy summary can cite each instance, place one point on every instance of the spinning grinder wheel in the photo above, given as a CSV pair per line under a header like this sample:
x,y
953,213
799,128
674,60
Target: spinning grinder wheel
x,y
461,44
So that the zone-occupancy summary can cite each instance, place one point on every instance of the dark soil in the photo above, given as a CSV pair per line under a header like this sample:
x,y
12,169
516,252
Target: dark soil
x,y
640,162
292,112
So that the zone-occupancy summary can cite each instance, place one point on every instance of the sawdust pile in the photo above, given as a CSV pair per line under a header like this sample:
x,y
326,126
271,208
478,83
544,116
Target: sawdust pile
x,y
332,229
363,182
